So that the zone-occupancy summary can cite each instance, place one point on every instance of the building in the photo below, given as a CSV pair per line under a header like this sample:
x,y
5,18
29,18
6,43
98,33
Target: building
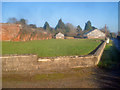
x,y
59,36
69,37
94,34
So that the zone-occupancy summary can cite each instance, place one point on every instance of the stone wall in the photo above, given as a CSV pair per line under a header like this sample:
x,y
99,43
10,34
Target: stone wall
x,y
18,62
31,63
99,52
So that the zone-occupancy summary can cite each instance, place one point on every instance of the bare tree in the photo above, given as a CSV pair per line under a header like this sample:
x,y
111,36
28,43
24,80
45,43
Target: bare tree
x,y
106,30
12,20
71,29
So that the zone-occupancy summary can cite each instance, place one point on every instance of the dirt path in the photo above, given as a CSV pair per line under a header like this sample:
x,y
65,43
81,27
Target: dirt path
x,y
74,78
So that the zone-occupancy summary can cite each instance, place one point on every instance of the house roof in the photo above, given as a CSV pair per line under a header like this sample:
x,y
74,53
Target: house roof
x,y
91,31
59,34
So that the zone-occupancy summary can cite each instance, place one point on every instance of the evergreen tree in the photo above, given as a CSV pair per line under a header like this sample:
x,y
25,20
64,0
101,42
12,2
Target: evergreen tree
x,y
93,27
46,26
79,29
60,25
88,26
23,21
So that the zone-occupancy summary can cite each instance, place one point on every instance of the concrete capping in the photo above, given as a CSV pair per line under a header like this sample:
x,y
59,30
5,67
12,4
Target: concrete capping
x,y
30,63
99,52
15,56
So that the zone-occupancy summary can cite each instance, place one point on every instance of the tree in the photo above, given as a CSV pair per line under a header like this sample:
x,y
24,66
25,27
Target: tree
x,y
93,27
106,31
32,26
46,26
60,25
23,21
79,29
69,27
12,20
118,33
70,30
88,26
112,35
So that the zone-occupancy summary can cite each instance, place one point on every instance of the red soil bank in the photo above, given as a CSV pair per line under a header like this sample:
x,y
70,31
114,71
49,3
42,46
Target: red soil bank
x,y
9,31
14,32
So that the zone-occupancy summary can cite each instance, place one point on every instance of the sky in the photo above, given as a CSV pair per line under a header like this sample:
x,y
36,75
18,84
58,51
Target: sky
x,y
77,13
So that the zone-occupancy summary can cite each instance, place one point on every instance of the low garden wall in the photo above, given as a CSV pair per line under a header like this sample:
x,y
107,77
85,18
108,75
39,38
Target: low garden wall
x,y
31,63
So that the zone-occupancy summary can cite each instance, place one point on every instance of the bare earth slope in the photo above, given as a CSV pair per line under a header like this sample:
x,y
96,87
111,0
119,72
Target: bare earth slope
x,y
17,32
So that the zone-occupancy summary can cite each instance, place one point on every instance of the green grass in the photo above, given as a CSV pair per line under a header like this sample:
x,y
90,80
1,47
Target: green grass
x,y
110,57
51,48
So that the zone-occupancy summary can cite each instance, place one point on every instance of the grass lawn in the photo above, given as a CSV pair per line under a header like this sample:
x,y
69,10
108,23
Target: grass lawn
x,y
51,48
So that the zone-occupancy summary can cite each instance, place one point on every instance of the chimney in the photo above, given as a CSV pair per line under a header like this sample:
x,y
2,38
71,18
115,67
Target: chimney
x,y
105,31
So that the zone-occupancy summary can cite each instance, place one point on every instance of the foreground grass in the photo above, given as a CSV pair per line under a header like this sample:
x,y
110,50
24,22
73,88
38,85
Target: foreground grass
x,y
110,57
51,48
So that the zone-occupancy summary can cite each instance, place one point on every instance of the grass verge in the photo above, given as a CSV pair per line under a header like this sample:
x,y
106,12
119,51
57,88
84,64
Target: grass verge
x,y
110,57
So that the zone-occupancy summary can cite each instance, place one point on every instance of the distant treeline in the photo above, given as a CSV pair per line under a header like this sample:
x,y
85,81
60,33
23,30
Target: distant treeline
x,y
67,29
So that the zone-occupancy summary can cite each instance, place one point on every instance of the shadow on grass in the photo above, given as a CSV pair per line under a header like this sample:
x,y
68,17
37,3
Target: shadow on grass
x,y
110,58
110,66
102,41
